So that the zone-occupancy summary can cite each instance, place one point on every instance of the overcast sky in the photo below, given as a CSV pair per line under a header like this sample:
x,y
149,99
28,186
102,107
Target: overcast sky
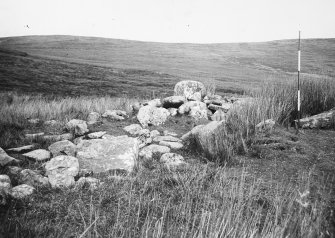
x,y
202,21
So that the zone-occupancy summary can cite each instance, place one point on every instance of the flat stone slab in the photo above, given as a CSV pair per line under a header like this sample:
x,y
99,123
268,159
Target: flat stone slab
x,y
34,135
166,138
21,149
113,153
6,159
172,145
63,147
39,155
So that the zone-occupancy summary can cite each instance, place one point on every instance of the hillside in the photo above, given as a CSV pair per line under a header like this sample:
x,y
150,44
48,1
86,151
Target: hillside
x,y
86,65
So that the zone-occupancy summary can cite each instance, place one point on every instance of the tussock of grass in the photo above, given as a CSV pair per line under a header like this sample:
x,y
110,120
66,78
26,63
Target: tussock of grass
x,y
197,202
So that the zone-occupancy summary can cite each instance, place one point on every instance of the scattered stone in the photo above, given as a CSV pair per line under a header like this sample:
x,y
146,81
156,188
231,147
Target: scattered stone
x,y
173,101
172,145
172,160
93,118
22,191
195,97
38,155
79,127
265,126
154,134
168,133
22,149
14,173
6,159
325,120
117,115
66,136
133,129
33,178
96,135
136,106
173,111
219,115
61,171
154,103
114,153
34,135
166,138
188,88
89,182
51,123
63,147
207,138
5,186
34,121
149,115
79,139
151,151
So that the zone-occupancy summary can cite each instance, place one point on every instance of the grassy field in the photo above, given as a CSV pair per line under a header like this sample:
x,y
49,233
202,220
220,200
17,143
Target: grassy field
x,y
85,65
273,184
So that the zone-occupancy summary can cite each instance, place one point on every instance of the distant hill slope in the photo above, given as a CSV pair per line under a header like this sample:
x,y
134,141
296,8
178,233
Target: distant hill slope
x,y
233,66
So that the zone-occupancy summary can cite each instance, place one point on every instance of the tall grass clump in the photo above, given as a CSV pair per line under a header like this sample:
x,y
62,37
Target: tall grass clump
x,y
198,202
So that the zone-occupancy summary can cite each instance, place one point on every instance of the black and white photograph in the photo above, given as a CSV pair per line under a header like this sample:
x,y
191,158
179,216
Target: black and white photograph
x,y
167,118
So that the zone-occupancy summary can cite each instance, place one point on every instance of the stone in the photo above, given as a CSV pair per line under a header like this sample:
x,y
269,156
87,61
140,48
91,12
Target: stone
x,y
63,147
154,134
33,178
34,135
214,107
133,129
5,159
39,155
152,151
189,134
173,101
199,111
136,106
144,132
117,115
209,113
166,138
78,127
65,136
34,121
169,133
22,191
195,105
22,149
173,111
5,187
85,173
153,103
52,123
172,160
325,120
172,145
265,126
188,88
80,139
195,97
219,115
114,153
149,115
14,173
61,171
93,118
96,135
89,182
207,138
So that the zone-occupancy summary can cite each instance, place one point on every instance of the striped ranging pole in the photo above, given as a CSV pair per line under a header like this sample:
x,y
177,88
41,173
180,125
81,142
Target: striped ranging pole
x,y
299,103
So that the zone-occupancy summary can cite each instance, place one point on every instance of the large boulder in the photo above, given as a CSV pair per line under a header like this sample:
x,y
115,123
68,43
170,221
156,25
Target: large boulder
x,y
190,89
114,153
64,147
173,101
78,127
148,115
39,155
33,178
325,120
6,159
207,138
61,171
